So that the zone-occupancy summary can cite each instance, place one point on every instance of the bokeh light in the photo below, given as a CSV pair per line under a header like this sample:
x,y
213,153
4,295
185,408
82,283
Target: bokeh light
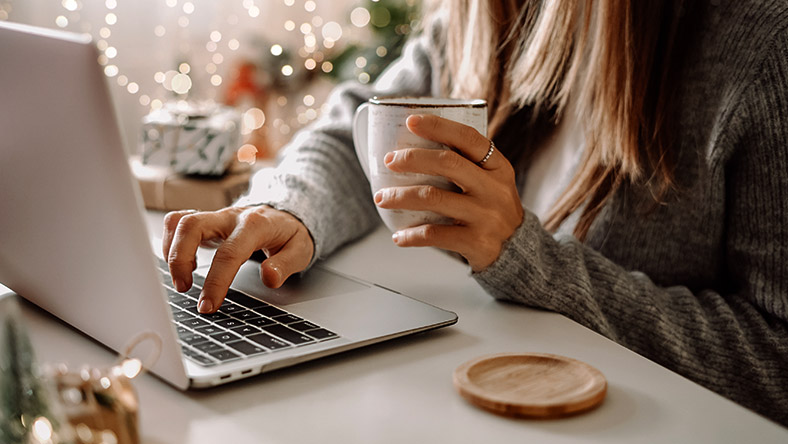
x,y
359,17
70,5
181,83
253,119
247,154
332,31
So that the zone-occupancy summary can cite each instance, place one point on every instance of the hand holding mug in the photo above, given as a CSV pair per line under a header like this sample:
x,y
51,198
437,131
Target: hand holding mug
x,y
486,209
379,128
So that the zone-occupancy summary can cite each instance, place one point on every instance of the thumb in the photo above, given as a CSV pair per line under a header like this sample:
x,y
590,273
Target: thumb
x,y
292,258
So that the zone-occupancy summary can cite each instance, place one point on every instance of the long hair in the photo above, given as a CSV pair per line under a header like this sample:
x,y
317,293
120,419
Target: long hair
x,y
617,56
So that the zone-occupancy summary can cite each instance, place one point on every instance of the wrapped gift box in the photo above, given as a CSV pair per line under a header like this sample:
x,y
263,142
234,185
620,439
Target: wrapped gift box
x,y
191,138
163,189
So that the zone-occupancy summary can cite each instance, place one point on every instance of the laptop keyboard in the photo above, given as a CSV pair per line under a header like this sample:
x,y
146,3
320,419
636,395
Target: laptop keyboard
x,y
243,326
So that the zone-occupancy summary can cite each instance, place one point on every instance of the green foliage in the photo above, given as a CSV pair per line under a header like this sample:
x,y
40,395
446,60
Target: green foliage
x,y
391,23
23,396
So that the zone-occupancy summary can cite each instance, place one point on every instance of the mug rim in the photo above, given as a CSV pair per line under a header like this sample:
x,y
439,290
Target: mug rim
x,y
408,101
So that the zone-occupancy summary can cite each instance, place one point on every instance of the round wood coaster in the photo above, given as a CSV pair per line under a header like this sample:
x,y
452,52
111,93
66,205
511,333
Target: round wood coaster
x,y
532,385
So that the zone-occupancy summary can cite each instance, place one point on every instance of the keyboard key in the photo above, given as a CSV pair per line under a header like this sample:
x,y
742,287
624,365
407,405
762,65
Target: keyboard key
x,y
303,326
246,348
183,331
224,355
200,359
261,322
229,323
194,292
197,357
225,337
321,333
268,342
287,334
244,300
175,298
194,323
208,347
192,309
269,311
209,330
185,303
181,315
246,330
215,316
287,318
245,315
230,308
194,339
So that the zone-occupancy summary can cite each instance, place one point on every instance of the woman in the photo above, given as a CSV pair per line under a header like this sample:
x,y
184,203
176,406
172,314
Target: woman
x,y
647,141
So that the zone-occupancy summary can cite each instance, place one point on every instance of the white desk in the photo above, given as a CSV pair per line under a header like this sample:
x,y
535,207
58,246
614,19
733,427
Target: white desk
x,y
401,391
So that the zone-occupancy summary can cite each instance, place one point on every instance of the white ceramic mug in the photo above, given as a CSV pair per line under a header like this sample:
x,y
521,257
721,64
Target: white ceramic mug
x,y
379,127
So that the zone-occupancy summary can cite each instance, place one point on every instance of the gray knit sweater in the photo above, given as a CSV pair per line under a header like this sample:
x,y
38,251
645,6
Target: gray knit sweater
x,y
699,285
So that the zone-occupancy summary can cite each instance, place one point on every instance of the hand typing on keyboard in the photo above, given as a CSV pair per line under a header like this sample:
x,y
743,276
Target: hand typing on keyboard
x,y
238,232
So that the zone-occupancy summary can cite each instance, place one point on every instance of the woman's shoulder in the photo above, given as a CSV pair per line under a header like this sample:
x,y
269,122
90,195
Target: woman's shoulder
x,y
735,77
737,38
748,24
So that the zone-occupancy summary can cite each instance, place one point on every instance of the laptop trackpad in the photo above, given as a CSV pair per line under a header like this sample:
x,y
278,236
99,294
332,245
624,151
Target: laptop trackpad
x,y
316,283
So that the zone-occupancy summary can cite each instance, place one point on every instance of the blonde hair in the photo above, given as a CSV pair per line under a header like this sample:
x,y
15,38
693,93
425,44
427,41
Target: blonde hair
x,y
616,55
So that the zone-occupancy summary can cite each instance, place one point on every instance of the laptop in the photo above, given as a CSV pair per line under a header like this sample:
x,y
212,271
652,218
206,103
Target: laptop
x,y
73,239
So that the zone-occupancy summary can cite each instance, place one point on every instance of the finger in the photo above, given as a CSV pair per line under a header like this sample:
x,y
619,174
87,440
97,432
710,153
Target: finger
x,y
446,237
480,253
171,220
428,198
293,257
190,230
464,138
256,229
446,163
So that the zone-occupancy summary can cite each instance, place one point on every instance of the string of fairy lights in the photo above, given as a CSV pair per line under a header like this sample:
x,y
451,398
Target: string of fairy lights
x,y
316,37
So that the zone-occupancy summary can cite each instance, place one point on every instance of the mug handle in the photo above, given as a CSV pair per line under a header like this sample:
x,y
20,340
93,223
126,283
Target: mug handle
x,y
360,137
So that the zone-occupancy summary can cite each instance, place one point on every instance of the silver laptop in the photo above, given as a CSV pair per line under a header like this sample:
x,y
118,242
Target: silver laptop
x,y
73,239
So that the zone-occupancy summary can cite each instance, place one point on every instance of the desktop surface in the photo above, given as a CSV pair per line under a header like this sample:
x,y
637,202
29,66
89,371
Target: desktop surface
x,y
402,391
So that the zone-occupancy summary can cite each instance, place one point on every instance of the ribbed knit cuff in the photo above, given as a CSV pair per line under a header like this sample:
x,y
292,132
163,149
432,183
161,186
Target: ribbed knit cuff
x,y
513,274
278,196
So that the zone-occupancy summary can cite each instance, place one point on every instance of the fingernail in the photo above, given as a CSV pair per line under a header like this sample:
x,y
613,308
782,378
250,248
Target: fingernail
x,y
388,157
272,277
278,273
205,306
414,119
378,196
395,237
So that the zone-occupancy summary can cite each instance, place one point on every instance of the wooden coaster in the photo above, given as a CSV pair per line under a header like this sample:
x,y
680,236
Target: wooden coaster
x,y
531,385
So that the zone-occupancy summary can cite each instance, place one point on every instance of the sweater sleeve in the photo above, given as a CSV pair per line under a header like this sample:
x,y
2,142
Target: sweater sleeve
x,y
733,341
319,179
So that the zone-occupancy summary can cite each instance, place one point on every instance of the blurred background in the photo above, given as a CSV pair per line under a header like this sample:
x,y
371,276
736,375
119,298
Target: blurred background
x,y
274,61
